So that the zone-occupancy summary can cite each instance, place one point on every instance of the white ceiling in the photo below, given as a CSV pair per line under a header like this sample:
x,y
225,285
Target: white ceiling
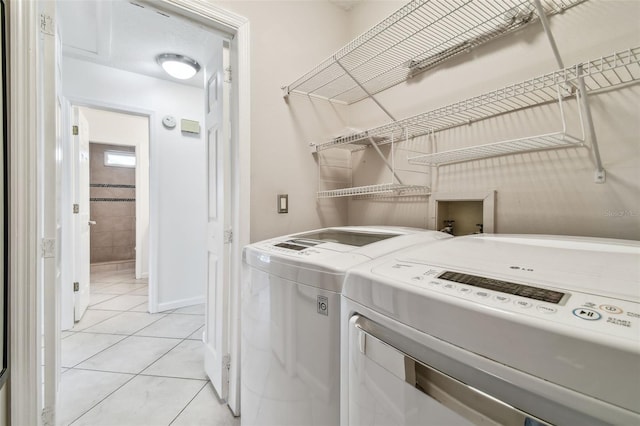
x,y
129,36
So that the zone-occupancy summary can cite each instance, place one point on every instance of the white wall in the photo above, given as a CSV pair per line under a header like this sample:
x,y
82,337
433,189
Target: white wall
x,y
549,192
177,172
288,38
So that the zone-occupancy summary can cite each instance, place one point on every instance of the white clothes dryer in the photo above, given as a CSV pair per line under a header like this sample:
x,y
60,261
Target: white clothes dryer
x,y
291,319
494,329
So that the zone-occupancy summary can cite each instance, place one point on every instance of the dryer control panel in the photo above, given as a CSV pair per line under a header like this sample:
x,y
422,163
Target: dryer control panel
x,y
614,317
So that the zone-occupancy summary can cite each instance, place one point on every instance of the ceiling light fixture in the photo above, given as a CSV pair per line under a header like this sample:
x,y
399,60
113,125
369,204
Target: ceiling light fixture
x,y
178,66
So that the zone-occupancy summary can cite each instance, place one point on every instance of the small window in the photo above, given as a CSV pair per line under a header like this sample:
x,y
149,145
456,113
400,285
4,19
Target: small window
x,y
120,158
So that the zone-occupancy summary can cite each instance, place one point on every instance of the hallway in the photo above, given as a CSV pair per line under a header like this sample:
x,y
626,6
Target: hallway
x,y
124,366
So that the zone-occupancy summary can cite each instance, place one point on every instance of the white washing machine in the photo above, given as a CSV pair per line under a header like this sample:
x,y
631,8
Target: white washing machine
x,y
291,319
512,330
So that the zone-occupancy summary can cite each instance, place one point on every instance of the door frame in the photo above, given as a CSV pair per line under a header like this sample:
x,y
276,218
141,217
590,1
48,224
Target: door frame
x,y
25,339
27,97
143,197
239,27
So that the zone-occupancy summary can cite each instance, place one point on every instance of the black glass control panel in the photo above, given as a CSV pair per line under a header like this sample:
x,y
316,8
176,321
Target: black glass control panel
x,y
290,246
296,244
530,292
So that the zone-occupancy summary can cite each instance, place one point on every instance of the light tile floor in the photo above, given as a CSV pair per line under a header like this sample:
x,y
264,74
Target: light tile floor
x,y
124,366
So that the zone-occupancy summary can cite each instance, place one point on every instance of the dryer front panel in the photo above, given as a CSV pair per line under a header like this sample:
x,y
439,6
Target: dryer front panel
x,y
389,387
394,374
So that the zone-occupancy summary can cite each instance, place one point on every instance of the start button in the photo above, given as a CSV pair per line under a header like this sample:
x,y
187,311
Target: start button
x,y
587,314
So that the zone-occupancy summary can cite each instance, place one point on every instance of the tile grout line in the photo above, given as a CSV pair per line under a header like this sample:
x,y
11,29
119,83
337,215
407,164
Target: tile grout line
x,y
115,296
99,402
106,300
100,322
188,403
121,340
161,316
122,294
136,375
141,374
180,341
110,310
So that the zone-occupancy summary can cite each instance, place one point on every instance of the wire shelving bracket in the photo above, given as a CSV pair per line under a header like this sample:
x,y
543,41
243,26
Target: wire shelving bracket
x,y
606,72
445,28
394,188
616,69
555,140
417,37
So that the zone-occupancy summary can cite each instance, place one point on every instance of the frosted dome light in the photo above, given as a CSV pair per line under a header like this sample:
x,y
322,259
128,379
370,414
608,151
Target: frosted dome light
x,y
178,66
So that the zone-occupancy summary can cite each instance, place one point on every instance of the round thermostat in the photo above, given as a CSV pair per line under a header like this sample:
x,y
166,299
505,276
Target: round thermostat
x,y
169,122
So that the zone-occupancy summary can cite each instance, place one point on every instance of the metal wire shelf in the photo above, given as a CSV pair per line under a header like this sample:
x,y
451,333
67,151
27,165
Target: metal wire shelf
x,y
354,142
514,146
616,69
385,188
417,37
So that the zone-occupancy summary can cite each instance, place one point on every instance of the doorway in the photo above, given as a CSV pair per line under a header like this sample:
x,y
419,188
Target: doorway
x,y
182,152
117,200
113,202
33,276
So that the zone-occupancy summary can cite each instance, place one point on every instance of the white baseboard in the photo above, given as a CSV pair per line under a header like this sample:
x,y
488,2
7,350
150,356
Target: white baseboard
x,y
180,303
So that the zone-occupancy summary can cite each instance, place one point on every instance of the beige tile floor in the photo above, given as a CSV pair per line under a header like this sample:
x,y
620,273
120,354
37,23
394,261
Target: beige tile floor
x,y
124,366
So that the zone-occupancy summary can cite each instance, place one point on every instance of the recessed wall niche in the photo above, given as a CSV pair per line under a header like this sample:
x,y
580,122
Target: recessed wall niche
x,y
470,212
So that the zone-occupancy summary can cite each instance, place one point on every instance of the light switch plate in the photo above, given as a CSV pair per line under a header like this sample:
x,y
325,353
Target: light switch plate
x,y
190,126
283,203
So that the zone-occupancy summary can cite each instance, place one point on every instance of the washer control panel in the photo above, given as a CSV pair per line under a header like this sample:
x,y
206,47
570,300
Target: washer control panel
x,y
593,312
293,247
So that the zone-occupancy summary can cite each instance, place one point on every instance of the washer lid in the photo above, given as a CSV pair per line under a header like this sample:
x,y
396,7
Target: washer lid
x,y
320,258
343,236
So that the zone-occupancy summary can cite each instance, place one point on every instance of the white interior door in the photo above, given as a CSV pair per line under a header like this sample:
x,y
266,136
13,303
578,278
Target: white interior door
x,y
218,232
82,233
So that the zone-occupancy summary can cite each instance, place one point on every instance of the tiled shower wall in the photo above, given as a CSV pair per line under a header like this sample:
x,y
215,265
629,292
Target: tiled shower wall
x,y
113,207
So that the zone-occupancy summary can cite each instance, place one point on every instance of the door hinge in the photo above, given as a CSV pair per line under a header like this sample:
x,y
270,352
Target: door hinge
x,y
226,365
48,248
226,368
76,208
76,286
228,236
227,75
47,416
46,24
75,131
